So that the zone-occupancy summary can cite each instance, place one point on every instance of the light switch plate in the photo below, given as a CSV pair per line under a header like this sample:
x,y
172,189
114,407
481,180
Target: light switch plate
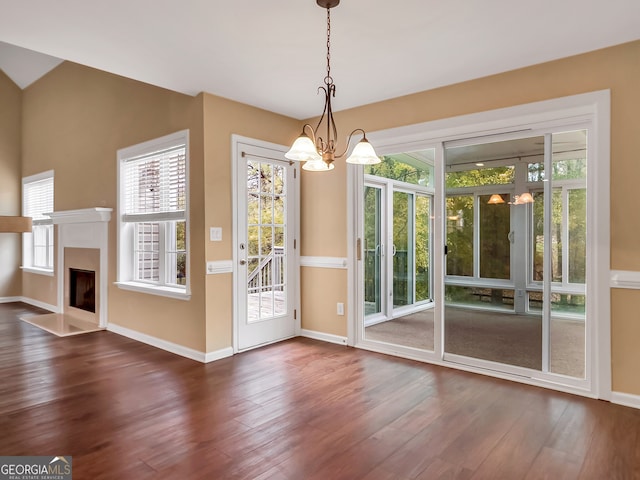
x,y
215,234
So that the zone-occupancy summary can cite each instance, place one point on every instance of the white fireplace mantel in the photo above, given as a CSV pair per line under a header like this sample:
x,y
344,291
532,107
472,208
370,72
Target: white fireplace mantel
x,y
84,215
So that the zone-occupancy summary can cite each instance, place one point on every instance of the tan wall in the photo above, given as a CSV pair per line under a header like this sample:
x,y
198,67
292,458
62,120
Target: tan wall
x,y
75,119
39,287
625,305
10,184
222,118
319,314
616,68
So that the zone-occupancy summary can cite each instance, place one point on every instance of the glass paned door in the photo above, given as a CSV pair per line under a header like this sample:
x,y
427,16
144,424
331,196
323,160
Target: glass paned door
x,y
373,251
402,249
567,298
515,283
266,215
266,223
397,234
486,315
422,252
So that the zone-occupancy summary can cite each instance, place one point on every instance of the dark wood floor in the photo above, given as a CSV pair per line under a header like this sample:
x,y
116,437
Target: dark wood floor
x,y
297,410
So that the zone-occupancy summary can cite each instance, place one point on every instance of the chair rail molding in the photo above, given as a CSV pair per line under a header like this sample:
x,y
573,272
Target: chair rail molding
x,y
324,262
625,279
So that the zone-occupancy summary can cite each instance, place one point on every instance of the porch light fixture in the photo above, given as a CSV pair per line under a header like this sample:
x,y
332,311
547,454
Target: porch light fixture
x,y
522,199
319,153
495,199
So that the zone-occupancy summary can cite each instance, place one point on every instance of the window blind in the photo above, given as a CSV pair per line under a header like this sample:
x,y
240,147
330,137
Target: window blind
x,y
38,200
155,186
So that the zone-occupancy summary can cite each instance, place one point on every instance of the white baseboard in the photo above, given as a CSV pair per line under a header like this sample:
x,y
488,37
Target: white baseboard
x,y
170,346
10,299
625,399
39,304
325,337
218,354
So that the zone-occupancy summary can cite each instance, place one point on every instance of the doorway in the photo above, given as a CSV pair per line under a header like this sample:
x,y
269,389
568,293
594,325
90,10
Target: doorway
x,y
398,224
516,229
519,243
266,270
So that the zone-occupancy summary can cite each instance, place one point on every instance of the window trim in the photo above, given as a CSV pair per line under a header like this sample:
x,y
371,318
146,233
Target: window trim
x,y
28,237
126,250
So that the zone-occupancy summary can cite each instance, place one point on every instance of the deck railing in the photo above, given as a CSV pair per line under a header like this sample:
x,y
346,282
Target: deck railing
x,y
269,274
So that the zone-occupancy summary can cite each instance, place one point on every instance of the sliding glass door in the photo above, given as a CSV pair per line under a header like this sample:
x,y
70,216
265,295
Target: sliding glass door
x,y
515,283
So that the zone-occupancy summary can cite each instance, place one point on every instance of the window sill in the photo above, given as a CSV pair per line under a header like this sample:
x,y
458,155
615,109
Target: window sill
x,y
162,291
38,271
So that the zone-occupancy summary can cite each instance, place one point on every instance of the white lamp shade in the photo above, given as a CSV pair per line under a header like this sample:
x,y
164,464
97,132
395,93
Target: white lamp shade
x,y
363,154
317,166
303,150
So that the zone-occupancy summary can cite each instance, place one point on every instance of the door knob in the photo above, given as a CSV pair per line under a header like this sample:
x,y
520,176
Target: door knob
x,y
243,262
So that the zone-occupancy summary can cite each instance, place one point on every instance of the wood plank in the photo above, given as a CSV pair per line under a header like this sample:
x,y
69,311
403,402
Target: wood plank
x,y
612,452
552,464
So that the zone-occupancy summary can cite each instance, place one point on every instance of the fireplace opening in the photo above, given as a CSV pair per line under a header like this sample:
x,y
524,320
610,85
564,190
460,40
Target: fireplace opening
x,y
82,289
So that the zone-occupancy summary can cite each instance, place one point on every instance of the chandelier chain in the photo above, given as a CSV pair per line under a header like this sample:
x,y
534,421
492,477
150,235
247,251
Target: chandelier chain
x,y
328,80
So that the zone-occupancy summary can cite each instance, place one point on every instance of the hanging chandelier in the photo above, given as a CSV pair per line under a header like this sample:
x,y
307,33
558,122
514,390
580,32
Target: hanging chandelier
x,y
317,152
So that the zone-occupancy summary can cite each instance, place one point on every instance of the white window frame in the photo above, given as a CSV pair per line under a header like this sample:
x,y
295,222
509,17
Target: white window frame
x,y
126,274
38,222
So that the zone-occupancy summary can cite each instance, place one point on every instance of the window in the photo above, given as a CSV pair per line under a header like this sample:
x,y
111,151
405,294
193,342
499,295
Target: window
x,y
153,216
37,201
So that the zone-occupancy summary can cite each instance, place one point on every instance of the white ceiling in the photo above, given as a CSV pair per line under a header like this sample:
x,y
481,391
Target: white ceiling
x,y
271,54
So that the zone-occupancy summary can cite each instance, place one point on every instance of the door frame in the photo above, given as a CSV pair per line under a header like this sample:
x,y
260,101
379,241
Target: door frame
x,y
236,140
592,109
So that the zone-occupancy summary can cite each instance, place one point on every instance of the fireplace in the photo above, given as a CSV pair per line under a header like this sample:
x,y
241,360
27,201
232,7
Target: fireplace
x,y
82,289
82,241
